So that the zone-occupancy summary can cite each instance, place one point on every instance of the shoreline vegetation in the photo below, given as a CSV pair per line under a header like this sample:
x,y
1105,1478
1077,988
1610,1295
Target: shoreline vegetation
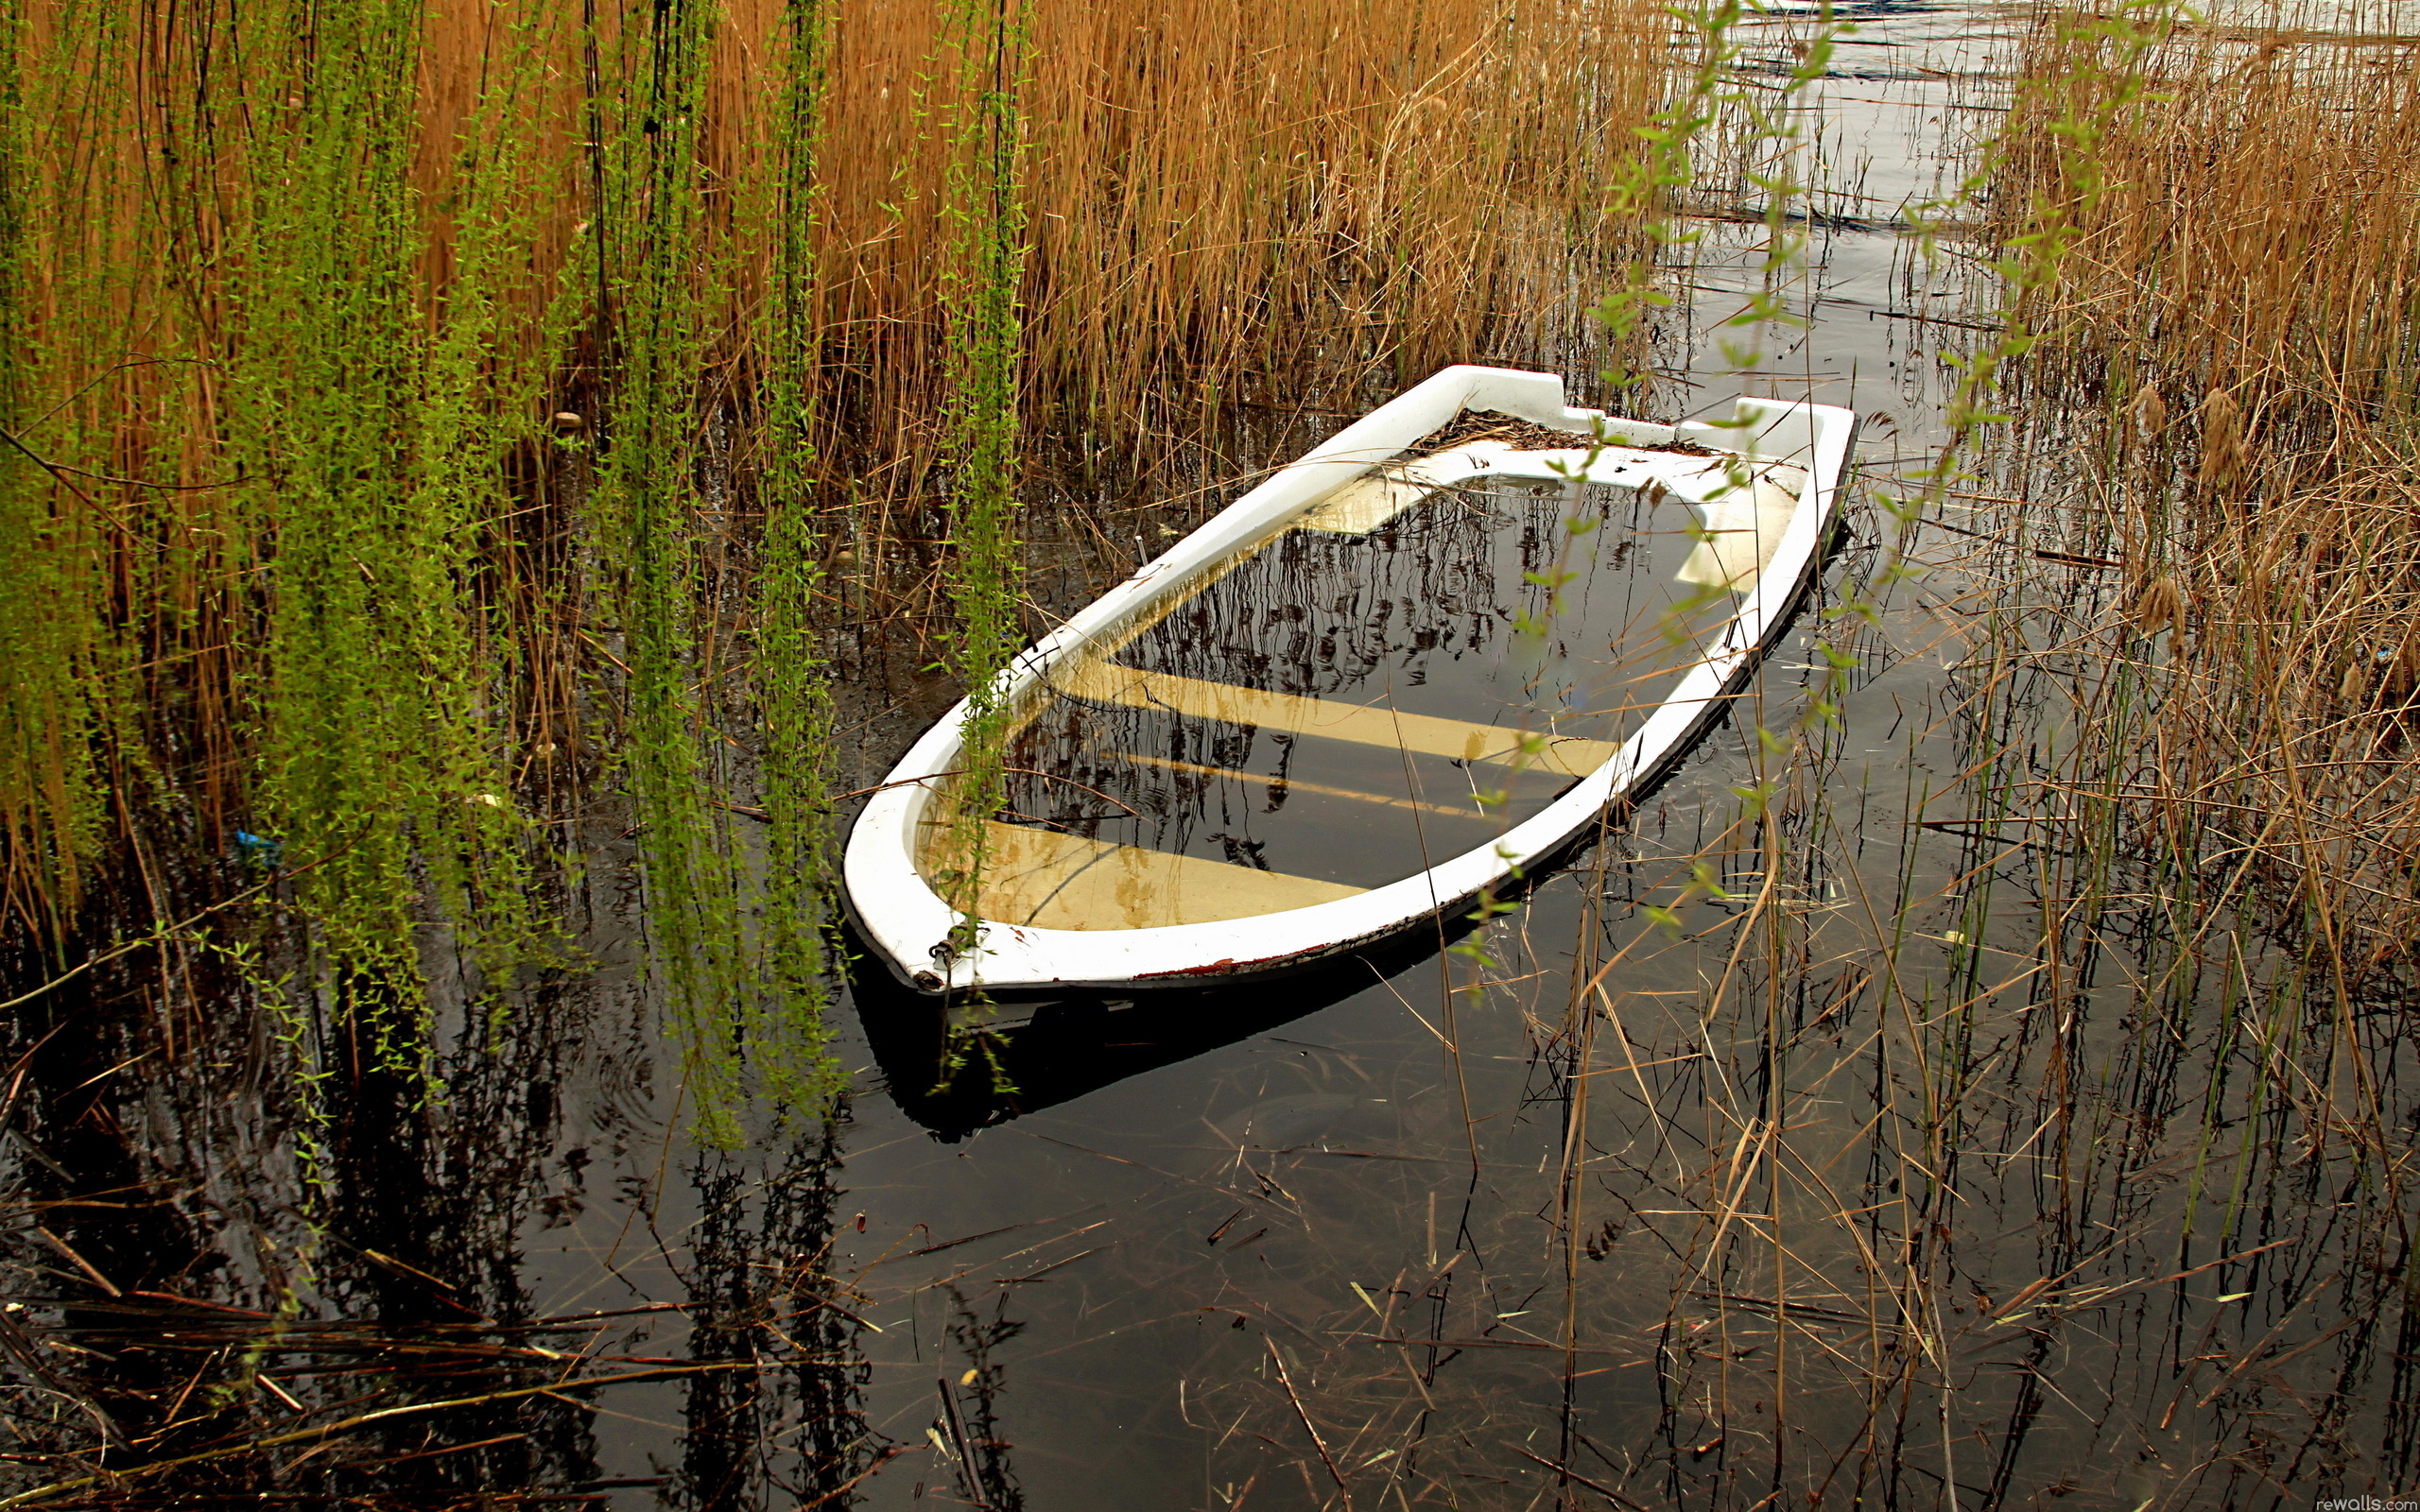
x,y
426,416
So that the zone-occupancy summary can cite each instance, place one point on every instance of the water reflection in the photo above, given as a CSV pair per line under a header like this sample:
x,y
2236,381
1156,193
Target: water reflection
x,y
421,1293
1033,1054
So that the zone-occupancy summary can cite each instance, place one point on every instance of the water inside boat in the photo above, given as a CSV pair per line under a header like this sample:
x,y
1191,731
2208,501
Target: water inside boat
x,y
1396,678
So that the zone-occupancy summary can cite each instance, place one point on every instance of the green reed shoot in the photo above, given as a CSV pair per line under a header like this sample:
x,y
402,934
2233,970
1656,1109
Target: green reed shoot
x,y
648,230
985,213
377,774
1643,195
787,1037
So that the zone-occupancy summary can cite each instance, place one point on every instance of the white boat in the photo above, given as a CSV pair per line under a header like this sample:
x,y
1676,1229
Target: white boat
x,y
1393,677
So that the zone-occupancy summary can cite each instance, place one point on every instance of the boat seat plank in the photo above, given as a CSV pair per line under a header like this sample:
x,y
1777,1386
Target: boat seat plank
x,y
1459,739
1229,774
1376,497
1365,504
1054,881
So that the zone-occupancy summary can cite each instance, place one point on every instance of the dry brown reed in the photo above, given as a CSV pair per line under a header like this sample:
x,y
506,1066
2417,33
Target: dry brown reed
x,y
2229,356
1226,197
1229,204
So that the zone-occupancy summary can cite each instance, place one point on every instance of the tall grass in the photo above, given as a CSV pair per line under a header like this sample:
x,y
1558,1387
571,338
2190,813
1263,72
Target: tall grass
x,y
2232,328
430,421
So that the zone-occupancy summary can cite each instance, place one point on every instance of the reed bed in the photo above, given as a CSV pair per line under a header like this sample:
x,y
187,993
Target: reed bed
x,y
2060,1073
2227,347
427,418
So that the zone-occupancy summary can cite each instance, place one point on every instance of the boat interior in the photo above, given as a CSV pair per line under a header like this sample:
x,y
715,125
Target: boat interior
x,y
1394,677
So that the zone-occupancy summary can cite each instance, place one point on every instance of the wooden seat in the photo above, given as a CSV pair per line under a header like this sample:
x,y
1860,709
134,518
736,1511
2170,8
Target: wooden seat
x,y
1426,733
1054,881
1365,504
1475,810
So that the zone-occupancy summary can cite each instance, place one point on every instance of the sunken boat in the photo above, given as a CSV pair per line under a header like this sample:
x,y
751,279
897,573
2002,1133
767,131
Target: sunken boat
x,y
1398,675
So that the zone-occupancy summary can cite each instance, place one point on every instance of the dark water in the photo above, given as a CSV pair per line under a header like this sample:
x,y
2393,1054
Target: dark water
x,y
1837,1132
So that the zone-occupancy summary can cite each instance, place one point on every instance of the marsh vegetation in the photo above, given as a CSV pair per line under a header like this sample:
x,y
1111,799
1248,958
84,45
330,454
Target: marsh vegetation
x,y
490,487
